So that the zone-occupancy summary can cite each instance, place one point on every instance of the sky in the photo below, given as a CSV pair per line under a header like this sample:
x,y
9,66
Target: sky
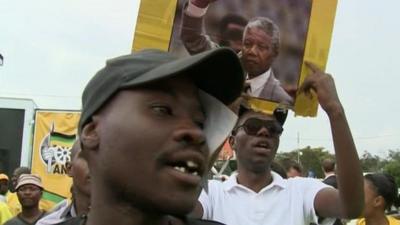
x,y
52,48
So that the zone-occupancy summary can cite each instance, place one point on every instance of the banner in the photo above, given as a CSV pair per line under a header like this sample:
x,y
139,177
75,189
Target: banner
x,y
54,134
304,27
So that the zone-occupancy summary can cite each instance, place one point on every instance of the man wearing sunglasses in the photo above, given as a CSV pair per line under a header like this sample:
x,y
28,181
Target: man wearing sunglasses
x,y
257,196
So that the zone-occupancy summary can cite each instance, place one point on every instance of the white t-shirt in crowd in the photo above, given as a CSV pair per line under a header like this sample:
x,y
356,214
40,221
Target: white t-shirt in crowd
x,y
283,202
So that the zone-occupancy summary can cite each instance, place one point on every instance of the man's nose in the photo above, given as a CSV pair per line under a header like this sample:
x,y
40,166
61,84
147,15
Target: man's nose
x,y
263,132
189,133
254,49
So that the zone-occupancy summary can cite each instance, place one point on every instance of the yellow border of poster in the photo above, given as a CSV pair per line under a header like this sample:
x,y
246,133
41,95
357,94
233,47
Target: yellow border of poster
x,y
154,24
317,49
154,28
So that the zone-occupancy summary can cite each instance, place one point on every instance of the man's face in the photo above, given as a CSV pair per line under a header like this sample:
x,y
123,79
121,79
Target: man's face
x,y
258,51
255,152
3,186
29,195
79,171
152,149
234,36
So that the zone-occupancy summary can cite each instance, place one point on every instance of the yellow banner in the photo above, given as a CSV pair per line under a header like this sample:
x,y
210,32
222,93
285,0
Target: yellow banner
x,y
54,134
317,50
154,24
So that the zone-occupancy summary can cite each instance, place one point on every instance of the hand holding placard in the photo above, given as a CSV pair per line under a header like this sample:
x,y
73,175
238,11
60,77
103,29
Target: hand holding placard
x,y
324,86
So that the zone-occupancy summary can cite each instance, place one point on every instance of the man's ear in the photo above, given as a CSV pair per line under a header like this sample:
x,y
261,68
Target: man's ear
x,y
89,136
379,201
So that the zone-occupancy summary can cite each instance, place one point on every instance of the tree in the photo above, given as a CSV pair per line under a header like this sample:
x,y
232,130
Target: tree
x,y
392,166
371,163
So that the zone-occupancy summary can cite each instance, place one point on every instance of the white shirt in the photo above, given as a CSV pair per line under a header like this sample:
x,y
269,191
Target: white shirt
x,y
257,83
61,212
283,202
329,175
3,199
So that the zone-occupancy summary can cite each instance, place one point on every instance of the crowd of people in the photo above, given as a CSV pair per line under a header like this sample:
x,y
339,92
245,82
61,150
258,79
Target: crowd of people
x,y
151,125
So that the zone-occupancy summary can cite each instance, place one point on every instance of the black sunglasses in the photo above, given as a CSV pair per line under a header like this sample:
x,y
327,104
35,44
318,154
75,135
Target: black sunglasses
x,y
253,125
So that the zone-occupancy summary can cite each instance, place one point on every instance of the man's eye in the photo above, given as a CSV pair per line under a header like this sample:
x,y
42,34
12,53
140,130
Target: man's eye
x,y
263,47
162,109
200,124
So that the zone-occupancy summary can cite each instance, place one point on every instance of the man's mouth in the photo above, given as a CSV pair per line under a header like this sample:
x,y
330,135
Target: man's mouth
x,y
251,61
188,167
262,145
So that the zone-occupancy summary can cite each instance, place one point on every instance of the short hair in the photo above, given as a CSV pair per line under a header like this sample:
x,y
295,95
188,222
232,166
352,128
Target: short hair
x,y
236,34
385,186
296,166
241,106
231,18
269,27
278,168
328,165
22,170
289,163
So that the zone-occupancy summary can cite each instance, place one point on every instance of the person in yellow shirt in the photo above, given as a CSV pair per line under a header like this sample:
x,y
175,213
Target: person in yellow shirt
x,y
3,186
381,193
12,199
5,213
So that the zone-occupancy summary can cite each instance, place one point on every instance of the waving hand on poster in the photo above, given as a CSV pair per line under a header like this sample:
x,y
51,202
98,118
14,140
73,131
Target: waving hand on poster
x,y
202,3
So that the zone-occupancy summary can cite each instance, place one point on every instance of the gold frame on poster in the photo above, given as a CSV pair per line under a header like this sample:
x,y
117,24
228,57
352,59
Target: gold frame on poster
x,y
155,24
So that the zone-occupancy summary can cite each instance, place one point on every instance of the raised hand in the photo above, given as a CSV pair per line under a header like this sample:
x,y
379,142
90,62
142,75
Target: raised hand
x,y
202,3
324,86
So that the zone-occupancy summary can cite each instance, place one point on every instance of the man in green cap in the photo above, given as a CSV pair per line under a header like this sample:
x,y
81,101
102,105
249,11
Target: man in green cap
x,y
149,124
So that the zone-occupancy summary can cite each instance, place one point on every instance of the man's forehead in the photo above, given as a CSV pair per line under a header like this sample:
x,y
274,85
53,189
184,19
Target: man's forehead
x,y
252,31
253,114
174,87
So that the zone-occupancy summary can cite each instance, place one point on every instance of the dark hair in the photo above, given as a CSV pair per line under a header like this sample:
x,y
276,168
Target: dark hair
x,y
278,168
385,186
22,170
297,167
279,113
328,165
229,19
288,163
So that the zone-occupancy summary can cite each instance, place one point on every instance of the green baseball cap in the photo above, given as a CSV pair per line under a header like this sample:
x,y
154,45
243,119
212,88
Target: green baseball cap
x,y
217,72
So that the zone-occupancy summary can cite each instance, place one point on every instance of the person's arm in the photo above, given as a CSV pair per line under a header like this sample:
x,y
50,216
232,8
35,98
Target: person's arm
x,y
348,200
192,35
